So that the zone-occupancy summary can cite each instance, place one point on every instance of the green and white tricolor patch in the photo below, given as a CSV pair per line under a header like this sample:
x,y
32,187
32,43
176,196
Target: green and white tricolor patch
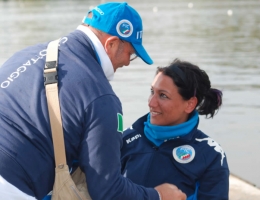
x,y
120,122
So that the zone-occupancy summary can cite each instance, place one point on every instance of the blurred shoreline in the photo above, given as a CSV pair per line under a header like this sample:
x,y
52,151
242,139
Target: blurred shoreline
x,y
240,189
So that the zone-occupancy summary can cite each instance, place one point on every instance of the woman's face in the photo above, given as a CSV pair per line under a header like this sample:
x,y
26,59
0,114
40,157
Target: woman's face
x,y
167,107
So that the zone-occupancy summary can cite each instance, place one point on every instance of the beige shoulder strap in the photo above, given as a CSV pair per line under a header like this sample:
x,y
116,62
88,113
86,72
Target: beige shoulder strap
x,y
65,186
51,87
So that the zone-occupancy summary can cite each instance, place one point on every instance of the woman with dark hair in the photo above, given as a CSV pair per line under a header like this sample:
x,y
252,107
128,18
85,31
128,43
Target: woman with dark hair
x,y
165,145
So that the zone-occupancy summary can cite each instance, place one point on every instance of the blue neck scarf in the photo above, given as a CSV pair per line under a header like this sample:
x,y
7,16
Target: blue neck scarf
x,y
159,134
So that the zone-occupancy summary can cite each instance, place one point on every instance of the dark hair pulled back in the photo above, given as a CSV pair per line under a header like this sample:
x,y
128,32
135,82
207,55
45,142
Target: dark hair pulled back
x,y
192,81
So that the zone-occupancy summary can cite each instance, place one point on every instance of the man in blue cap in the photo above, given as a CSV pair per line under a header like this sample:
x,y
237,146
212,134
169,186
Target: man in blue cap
x,y
109,38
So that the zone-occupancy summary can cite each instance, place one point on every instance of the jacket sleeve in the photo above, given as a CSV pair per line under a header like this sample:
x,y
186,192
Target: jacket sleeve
x,y
214,183
100,154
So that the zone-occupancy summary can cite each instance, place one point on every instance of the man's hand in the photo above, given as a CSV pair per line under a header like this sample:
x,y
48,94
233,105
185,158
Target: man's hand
x,y
170,192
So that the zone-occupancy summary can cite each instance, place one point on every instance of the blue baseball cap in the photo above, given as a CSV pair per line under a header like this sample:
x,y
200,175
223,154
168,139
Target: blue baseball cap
x,y
121,20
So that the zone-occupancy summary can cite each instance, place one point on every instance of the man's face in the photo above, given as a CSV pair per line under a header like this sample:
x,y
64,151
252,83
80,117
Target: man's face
x,y
119,52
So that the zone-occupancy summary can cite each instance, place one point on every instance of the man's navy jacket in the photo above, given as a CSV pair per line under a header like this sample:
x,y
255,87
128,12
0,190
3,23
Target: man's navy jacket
x,y
91,116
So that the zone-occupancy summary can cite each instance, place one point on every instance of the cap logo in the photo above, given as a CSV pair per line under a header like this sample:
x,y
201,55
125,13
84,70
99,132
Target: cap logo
x,y
124,28
183,154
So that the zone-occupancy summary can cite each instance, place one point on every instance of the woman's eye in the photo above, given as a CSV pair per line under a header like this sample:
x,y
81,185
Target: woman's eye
x,y
152,91
163,96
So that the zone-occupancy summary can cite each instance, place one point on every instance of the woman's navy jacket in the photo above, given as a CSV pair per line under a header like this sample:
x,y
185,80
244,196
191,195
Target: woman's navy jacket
x,y
195,163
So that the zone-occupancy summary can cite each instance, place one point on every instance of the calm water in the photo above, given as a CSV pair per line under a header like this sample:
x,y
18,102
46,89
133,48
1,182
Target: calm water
x,y
222,37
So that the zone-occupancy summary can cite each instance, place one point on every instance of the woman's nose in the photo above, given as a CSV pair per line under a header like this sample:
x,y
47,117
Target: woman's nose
x,y
152,102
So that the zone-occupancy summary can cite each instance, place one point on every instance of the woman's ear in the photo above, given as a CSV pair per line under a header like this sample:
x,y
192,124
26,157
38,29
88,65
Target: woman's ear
x,y
191,104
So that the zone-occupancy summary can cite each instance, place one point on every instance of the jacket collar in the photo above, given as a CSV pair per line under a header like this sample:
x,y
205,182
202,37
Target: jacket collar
x,y
139,126
104,60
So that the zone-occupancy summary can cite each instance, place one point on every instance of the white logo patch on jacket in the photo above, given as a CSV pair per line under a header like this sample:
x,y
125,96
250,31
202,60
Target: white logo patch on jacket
x,y
183,154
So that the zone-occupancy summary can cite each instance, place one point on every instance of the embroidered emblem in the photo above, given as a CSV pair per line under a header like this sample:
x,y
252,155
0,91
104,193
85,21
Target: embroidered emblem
x,y
183,154
216,146
124,28
120,122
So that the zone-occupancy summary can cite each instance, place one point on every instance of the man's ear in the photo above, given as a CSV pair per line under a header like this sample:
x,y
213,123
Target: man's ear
x,y
110,43
191,104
